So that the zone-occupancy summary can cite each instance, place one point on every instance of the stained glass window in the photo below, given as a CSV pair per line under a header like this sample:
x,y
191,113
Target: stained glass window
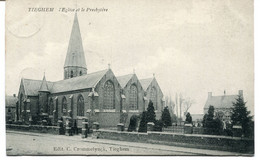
x,y
133,97
80,106
51,107
64,106
109,95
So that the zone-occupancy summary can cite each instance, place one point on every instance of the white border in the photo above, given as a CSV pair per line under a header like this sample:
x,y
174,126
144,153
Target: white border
x,y
2,100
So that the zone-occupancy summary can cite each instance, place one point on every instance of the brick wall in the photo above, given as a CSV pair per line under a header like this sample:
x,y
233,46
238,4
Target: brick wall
x,y
185,140
34,128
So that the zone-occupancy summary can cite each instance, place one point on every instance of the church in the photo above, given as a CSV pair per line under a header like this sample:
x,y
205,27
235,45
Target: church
x,y
99,97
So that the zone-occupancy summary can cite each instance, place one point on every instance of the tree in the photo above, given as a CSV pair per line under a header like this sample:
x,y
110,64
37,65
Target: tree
x,y
241,116
143,122
188,118
211,125
209,117
166,117
150,113
204,120
174,118
158,125
187,104
133,123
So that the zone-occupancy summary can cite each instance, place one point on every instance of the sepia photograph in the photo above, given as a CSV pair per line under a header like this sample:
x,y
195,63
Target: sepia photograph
x,y
121,77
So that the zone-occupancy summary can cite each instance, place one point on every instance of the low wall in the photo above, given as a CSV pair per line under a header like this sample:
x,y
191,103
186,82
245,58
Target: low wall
x,y
186,140
34,128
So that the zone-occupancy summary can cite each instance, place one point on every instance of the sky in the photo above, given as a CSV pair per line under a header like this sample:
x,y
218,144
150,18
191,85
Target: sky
x,y
192,46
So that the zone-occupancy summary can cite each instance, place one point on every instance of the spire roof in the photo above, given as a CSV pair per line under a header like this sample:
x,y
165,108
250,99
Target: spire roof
x,y
44,85
75,54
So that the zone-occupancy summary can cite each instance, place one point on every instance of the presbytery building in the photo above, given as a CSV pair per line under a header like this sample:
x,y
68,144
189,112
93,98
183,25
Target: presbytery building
x,y
222,104
99,96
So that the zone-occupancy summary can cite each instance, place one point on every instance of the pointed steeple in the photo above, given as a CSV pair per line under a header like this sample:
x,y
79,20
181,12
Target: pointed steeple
x,y
75,63
44,85
75,53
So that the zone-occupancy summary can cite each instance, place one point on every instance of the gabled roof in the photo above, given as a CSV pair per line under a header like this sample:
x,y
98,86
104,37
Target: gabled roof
x,y
225,101
44,85
32,87
146,82
75,54
123,80
10,101
76,83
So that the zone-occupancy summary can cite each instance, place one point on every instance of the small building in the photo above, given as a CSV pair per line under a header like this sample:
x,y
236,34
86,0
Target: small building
x,y
10,107
197,119
222,104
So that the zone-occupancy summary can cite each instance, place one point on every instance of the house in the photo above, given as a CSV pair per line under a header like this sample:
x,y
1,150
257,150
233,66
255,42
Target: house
x,y
222,104
10,107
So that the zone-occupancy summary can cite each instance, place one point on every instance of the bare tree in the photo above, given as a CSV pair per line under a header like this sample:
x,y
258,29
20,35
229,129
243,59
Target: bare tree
x,y
181,100
187,104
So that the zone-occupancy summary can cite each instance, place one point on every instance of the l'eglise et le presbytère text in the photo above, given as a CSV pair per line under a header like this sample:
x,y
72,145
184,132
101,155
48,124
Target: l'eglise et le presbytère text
x,y
64,9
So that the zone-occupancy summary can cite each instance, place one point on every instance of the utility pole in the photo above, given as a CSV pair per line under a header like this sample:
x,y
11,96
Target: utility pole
x,y
177,112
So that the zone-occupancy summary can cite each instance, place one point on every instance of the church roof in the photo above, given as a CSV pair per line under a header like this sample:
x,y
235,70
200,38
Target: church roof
x,y
10,101
123,80
146,82
32,87
44,85
225,101
75,54
77,83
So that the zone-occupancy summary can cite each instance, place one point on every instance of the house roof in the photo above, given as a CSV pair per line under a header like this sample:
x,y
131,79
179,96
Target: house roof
x,y
82,82
123,80
196,117
146,82
75,54
10,101
225,101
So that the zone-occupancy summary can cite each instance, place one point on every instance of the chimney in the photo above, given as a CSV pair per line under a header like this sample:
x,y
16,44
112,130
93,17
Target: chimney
x,y
240,92
209,94
14,95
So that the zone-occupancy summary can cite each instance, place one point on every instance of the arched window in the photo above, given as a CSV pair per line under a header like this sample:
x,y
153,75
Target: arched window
x,y
80,73
71,106
64,106
71,74
51,107
154,97
20,106
80,106
109,95
133,97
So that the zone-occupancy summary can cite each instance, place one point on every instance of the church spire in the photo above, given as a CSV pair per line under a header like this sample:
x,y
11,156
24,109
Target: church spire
x,y
44,85
75,64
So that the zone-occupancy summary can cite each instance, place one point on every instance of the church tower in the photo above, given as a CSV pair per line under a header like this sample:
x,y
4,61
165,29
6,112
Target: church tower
x,y
75,64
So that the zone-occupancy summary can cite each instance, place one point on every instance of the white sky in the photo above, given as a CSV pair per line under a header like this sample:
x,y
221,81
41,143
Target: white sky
x,y
193,46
